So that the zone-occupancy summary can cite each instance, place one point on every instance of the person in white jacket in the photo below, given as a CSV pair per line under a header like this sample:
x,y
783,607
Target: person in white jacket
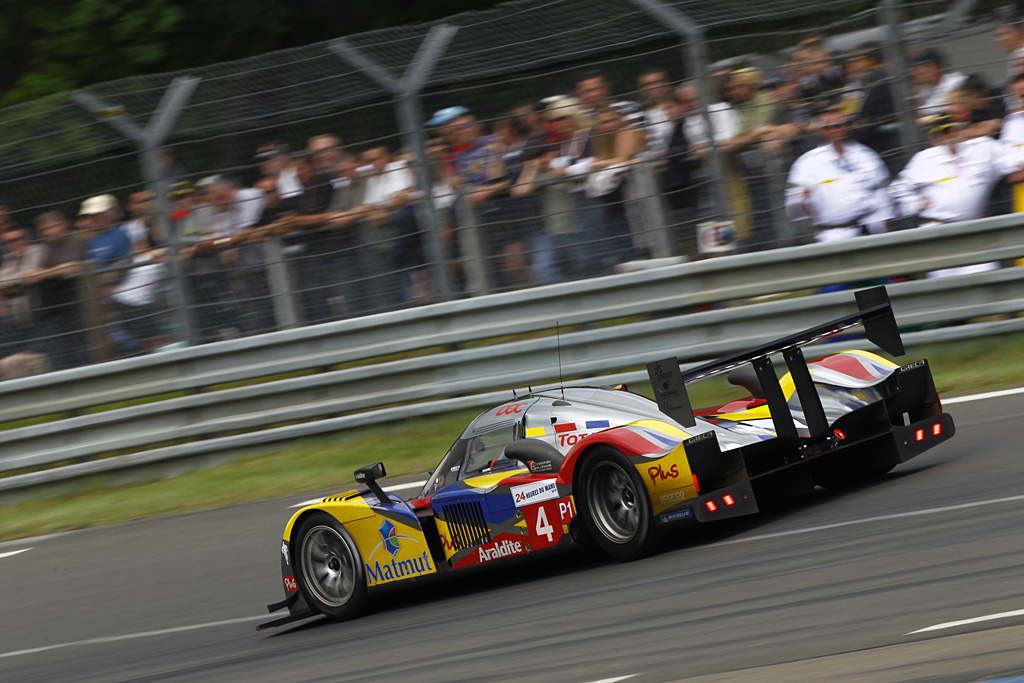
x,y
951,181
838,187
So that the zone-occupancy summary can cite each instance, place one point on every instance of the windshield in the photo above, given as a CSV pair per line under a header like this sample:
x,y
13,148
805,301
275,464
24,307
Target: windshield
x,y
469,457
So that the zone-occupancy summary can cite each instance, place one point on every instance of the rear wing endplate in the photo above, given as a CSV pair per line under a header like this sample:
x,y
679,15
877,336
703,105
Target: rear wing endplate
x,y
874,314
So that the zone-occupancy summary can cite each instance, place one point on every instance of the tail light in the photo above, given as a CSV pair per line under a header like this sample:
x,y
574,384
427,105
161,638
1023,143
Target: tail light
x,y
919,435
711,505
937,429
728,499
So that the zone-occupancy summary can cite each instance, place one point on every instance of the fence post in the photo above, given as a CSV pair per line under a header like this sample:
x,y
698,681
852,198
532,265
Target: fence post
x,y
468,236
406,91
894,49
148,141
697,51
282,289
652,208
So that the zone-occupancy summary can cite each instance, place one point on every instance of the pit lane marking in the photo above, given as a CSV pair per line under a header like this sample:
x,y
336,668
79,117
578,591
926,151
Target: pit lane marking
x,y
387,489
14,552
870,520
129,636
975,620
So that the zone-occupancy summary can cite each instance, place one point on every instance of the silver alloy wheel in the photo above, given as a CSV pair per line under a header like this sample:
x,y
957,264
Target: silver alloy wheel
x,y
614,502
328,566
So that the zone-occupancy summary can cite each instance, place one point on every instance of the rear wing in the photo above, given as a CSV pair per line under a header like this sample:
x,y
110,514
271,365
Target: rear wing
x,y
874,314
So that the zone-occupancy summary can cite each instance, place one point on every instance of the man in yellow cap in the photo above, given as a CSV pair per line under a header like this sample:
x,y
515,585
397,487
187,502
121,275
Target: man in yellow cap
x,y
951,181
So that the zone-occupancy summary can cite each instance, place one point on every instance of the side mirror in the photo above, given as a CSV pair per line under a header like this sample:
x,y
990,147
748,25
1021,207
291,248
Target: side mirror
x,y
364,475
369,475
540,456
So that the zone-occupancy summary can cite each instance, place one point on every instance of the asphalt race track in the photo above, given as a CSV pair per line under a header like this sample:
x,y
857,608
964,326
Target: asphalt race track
x,y
827,589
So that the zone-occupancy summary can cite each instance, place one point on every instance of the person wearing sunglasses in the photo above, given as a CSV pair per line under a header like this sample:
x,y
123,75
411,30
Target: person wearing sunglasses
x,y
838,187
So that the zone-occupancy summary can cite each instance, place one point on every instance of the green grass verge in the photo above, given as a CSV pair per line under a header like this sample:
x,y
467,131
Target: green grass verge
x,y
408,447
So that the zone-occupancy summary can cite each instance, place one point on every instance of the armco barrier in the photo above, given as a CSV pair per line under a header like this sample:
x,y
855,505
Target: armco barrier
x,y
689,337
246,443
656,291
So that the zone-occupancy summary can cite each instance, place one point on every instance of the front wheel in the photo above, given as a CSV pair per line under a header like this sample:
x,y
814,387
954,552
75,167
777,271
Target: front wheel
x,y
615,505
328,568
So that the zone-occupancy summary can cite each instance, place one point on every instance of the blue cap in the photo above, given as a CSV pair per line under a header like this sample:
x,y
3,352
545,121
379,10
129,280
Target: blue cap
x,y
446,115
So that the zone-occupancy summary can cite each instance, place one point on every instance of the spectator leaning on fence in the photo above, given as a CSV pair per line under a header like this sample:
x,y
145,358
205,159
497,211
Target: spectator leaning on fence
x,y
390,195
107,242
59,322
951,181
236,212
22,257
615,145
747,187
838,187
656,90
569,163
215,307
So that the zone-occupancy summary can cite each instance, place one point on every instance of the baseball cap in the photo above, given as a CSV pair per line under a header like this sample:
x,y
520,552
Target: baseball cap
x,y
98,204
561,107
446,115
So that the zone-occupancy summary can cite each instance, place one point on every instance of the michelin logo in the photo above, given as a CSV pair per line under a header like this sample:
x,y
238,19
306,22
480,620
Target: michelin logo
x,y
503,549
528,494
675,516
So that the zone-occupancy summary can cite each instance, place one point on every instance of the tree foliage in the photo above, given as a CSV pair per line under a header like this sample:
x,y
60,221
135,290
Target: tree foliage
x,y
59,45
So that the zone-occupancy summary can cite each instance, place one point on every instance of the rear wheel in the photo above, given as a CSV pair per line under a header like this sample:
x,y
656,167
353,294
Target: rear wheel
x,y
328,568
615,505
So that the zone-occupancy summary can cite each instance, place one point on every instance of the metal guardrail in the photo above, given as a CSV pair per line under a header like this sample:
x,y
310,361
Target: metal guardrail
x,y
691,337
656,291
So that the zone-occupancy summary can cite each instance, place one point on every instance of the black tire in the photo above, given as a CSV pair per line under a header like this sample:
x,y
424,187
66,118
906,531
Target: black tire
x,y
328,567
615,505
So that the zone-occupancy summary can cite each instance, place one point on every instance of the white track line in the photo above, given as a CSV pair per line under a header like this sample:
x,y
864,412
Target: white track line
x,y
982,397
975,620
14,552
616,679
396,487
880,518
129,636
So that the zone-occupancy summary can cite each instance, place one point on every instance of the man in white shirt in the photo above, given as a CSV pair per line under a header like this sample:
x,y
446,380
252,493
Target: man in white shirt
x,y
656,89
838,186
951,180
933,81
390,192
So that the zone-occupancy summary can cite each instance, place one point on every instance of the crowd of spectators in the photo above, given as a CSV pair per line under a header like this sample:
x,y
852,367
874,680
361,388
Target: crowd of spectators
x,y
810,150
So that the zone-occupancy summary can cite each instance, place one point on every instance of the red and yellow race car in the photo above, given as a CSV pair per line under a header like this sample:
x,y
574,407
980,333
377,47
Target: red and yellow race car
x,y
603,465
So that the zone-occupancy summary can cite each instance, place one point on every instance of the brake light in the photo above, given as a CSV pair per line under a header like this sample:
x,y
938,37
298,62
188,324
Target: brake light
x,y
711,506
919,435
937,429
728,499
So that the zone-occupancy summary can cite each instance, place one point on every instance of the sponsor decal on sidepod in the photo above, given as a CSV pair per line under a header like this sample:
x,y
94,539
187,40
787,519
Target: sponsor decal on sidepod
x,y
527,494
396,568
499,550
